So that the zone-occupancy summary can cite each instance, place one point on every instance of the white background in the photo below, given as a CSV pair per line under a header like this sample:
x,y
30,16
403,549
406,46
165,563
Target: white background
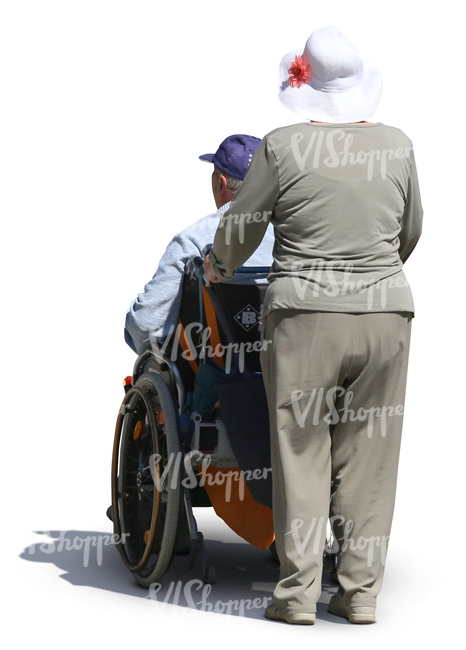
x,y
105,108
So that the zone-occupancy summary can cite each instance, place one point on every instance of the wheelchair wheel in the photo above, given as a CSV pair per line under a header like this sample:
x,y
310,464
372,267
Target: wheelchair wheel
x,y
146,480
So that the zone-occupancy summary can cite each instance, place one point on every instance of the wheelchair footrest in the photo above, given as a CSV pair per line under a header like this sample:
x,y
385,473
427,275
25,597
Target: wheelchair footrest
x,y
198,548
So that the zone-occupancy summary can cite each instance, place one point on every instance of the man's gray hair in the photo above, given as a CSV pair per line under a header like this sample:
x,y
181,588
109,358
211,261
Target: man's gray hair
x,y
233,183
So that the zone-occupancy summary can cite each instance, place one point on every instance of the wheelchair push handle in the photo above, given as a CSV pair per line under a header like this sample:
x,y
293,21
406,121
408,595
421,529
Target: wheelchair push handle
x,y
206,250
198,261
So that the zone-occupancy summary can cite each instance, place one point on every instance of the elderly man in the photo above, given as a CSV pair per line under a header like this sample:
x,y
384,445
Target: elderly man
x,y
154,313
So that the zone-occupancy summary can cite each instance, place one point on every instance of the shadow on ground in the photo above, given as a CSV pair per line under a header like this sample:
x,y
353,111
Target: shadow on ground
x,y
245,575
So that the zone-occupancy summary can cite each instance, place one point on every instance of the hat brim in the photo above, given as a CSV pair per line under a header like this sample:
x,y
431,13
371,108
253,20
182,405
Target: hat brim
x,y
351,105
207,157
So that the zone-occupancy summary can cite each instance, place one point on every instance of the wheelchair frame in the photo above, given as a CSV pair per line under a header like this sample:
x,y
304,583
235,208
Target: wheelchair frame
x,y
156,387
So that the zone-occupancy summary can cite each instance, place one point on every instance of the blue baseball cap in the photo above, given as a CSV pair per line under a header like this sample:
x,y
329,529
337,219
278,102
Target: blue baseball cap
x,y
234,155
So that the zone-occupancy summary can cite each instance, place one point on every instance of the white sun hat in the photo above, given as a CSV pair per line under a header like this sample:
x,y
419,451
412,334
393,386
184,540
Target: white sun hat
x,y
328,81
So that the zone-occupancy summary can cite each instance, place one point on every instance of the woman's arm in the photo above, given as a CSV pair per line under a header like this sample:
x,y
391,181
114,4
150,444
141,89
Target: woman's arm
x,y
411,223
242,227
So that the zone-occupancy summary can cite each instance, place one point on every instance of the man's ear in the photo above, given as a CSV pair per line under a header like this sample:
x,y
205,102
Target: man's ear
x,y
223,183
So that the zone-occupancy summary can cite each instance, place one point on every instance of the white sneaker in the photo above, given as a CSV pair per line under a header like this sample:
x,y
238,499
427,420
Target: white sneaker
x,y
356,614
273,613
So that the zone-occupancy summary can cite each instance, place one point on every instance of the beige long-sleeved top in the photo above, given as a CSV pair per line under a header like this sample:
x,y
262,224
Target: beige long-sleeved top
x,y
346,209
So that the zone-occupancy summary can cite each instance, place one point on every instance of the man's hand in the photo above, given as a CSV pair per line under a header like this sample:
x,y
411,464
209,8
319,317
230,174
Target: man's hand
x,y
209,271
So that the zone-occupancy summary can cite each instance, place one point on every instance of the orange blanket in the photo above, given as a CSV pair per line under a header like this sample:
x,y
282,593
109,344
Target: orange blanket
x,y
232,501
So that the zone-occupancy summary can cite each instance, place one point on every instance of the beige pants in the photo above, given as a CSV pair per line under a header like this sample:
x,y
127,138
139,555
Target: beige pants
x,y
335,386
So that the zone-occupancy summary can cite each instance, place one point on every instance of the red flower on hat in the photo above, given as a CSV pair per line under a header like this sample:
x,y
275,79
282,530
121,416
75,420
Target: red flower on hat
x,y
299,72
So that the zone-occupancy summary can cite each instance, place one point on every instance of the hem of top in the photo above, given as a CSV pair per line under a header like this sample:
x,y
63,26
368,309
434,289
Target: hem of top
x,y
348,309
356,124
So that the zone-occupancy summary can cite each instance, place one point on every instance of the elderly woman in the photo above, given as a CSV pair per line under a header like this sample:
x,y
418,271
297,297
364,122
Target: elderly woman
x,y
342,194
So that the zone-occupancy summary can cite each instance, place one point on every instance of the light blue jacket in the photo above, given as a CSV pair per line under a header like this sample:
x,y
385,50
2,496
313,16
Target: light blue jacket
x,y
154,312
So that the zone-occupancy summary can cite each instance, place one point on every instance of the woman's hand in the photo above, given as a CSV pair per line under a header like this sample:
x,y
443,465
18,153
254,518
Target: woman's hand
x,y
209,271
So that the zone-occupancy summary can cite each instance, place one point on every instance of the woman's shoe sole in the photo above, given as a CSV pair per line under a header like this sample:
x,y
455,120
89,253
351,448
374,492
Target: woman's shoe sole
x,y
359,615
295,619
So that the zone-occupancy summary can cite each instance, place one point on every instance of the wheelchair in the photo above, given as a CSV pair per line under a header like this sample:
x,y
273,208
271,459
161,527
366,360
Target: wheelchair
x,y
172,428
